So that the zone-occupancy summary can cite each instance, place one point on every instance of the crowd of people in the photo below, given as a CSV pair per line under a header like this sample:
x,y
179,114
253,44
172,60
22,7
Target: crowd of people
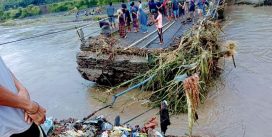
x,y
133,14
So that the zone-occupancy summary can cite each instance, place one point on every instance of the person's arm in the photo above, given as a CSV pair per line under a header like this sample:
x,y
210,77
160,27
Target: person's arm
x,y
7,98
34,111
107,10
18,84
157,6
156,20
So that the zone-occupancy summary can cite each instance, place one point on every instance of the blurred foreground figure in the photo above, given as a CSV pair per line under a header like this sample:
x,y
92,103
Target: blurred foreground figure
x,y
19,115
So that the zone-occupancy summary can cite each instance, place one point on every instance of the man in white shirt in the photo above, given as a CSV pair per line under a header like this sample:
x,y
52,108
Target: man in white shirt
x,y
19,115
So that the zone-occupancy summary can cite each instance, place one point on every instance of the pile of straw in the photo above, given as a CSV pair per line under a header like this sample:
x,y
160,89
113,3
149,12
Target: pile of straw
x,y
197,53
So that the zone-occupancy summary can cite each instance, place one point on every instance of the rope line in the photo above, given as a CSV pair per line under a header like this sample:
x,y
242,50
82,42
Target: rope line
x,y
36,36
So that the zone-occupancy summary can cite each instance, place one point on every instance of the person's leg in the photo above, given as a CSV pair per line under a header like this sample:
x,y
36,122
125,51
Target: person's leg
x,y
124,32
163,129
141,28
120,30
174,12
145,28
113,22
128,26
204,10
136,25
178,13
160,35
158,32
33,131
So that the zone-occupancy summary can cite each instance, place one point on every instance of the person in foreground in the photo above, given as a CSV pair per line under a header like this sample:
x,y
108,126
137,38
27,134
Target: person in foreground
x,y
164,117
19,115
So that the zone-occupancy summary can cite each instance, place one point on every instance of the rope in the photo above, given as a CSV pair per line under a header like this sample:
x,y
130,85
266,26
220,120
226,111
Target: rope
x,y
137,116
50,33
89,116
36,36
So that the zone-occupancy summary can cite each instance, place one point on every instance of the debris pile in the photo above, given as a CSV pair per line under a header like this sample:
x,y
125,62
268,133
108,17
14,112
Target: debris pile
x,y
198,52
99,126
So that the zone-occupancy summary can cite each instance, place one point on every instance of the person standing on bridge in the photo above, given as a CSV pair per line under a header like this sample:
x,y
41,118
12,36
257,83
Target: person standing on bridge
x,y
181,10
169,10
175,7
164,7
123,5
153,8
19,115
140,5
134,11
192,9
158,22
110,13
122,24
128,20
143,18
186,9
159,5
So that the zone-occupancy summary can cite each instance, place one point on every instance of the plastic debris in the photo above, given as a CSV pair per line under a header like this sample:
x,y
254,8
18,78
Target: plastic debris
x,y
48,125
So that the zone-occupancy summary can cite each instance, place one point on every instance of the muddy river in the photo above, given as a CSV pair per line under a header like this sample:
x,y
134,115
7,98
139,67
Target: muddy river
x,y
239,105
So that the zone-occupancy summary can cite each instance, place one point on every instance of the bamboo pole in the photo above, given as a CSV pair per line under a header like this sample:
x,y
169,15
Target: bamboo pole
x,y
190,113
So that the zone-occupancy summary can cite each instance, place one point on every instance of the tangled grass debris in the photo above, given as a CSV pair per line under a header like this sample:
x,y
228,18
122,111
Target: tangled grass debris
x,y
197,53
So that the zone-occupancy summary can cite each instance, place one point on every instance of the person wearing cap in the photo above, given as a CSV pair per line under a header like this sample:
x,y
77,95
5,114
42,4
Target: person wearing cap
x,y
164,117
19,115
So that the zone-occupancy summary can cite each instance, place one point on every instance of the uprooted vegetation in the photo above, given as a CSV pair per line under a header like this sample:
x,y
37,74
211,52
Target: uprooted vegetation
x,y
197,53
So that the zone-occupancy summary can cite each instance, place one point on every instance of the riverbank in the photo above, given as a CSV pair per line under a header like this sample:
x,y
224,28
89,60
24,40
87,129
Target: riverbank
x,y
255,3
90,6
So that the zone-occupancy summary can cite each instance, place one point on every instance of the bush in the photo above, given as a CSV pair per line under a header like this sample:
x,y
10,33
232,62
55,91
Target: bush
x,y
33,10
13,14
30,10
62,5
24,13
1,14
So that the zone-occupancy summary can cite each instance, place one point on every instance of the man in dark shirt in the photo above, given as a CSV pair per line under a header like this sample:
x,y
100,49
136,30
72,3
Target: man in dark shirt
x,y
158,5
123,5
175,7
152,6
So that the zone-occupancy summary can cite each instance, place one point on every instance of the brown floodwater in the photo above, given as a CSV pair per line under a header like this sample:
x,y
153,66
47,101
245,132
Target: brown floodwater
x,y
239,104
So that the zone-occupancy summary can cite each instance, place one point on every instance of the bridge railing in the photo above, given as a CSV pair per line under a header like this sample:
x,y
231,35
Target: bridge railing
x,y
88,30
